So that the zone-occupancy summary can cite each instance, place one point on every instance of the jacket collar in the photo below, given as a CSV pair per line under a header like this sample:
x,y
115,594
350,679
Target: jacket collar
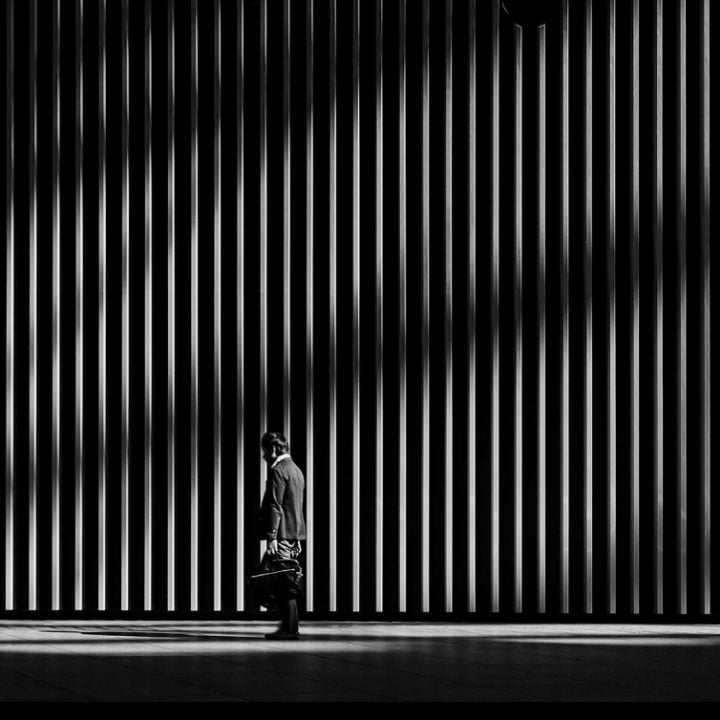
x,y
279,459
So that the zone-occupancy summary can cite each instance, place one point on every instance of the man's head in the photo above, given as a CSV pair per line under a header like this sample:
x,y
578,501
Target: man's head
x,y
273,445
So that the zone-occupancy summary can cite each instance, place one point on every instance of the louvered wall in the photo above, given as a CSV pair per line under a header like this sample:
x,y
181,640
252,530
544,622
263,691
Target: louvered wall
x,y
463,264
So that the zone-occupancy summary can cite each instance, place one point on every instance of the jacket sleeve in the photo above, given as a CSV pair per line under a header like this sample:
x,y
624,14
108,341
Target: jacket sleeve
x,y
272,512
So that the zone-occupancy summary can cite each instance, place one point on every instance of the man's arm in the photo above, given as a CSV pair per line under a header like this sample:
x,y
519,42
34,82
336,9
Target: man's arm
x,y
272,507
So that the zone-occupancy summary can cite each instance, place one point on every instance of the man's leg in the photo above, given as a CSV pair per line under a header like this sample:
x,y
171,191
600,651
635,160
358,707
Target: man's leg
x,y
287,550
290,616
288,629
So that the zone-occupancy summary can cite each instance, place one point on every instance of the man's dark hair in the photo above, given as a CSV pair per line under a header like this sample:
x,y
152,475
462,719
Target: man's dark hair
x,y
275,441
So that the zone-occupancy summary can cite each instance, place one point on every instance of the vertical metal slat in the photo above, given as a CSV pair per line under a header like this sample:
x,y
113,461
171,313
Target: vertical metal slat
x,y
309,304
705,438
125,331
379,303
658,321
402,310
194,292
263,355
495,319
541,325
517,324
565,310
102,310
425,293
356,309
588,313
171,250
681,318
240,314
448,304
472,310
33,325
286,269
10,306
56,399
332,307
79,458
635,318
148,416
611,315
217,311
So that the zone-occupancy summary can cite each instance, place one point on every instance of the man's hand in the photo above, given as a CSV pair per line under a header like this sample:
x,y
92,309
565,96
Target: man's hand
x,y
272,547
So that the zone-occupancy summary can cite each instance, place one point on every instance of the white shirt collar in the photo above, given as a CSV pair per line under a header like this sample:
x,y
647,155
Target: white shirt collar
x,y
279,458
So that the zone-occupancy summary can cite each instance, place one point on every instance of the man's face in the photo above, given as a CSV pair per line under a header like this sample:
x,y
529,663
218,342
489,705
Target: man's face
x,y
268,455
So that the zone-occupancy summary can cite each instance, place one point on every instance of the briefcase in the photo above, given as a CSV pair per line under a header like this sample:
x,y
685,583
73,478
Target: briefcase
x,y
274,581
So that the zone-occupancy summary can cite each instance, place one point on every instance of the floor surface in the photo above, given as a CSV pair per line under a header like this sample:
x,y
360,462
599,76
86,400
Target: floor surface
x,y
348,662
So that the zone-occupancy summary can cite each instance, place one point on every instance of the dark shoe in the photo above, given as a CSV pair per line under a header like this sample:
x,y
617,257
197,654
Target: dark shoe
x,y
282,635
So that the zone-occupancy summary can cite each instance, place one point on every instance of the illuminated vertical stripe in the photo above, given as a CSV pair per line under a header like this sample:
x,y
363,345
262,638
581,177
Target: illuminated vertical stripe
x,y
240,317
33,325
517,326
495,320
287,77
472,310
681,327
171,249
332,307
705,477
402,312
635,330
448,329
588,314
658,322
10,307
309,307
79,311
356,309
55,452
148,310
194,299
263,269
217,318
263,227
425,294
125,298
102,311
379,303
565,309
612,330
541,324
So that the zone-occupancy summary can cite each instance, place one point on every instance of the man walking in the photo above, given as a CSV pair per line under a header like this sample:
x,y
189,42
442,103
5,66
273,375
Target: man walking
x,y
282,523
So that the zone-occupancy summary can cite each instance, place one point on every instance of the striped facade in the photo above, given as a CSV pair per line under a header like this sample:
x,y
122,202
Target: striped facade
x,y
462,263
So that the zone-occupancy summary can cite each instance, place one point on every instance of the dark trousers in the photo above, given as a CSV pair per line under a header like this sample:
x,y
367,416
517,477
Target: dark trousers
x,y
289,615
